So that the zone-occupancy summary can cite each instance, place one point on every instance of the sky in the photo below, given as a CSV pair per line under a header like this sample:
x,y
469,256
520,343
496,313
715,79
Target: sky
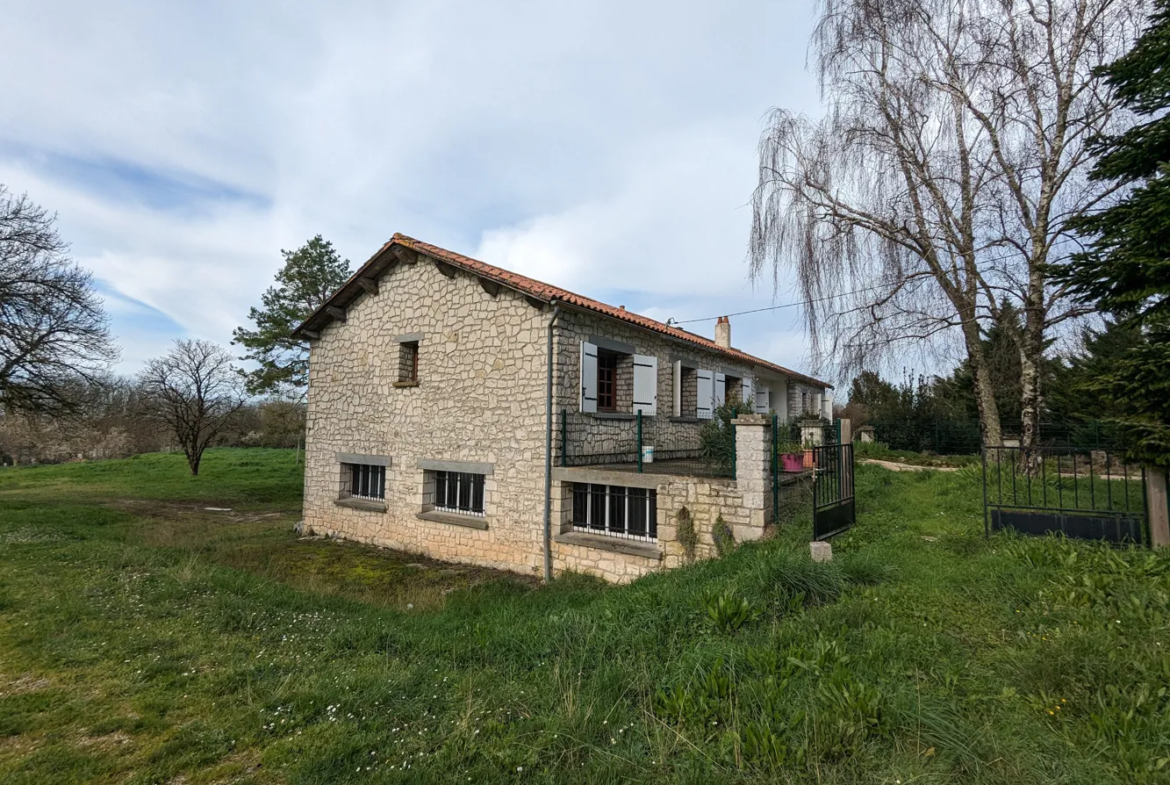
x,y
605,147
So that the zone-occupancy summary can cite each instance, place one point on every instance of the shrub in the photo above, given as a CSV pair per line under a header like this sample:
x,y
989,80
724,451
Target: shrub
x,y
687,536
717,439
723,537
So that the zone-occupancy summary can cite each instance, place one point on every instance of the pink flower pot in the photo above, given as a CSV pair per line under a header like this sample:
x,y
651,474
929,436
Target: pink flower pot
x,y
792,462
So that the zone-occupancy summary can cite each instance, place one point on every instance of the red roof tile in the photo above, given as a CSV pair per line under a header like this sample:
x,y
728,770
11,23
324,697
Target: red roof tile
x,y
541,291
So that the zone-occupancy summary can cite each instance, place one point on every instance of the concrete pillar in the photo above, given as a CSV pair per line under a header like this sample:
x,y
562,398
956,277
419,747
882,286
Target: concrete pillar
x,y
753,472
1156,504
846,431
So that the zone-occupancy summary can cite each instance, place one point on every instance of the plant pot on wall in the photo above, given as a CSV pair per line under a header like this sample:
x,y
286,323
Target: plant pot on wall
x,y
792,462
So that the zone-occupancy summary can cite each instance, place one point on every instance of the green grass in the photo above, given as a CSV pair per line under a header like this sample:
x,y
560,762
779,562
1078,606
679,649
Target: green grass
x,y
144,638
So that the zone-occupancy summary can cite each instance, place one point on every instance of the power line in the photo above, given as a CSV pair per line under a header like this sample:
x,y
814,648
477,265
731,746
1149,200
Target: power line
x,y
673,321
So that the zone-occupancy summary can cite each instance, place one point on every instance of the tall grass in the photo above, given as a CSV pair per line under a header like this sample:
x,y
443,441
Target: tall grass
x,y
146,639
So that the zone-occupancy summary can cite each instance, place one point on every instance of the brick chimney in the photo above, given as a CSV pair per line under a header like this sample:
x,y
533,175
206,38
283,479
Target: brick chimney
x,y
723,332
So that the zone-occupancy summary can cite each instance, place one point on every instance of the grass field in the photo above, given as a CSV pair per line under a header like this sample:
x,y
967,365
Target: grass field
x,y
145,638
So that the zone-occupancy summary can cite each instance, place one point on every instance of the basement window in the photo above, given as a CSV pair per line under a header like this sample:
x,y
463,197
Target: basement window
x,y
616,511
363,481
460,493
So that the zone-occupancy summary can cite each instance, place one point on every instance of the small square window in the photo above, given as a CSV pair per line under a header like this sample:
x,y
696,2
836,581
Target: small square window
x,y
408,362
461,493
363,481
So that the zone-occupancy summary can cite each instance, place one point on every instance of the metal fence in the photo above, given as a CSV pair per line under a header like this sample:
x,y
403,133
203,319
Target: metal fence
x,y
943,436
1085,494
658,445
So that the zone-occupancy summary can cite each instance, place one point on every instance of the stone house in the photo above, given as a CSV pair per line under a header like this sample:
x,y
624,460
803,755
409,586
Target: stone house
x,y
465,412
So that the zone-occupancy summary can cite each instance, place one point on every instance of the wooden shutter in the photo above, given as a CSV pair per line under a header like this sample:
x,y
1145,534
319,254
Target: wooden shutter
x,y
749,392
645,385
720,389
706,397
588,377
677,388
763,400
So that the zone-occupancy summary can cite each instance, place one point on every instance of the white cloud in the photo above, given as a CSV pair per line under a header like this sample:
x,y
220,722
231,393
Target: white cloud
x,y
607,147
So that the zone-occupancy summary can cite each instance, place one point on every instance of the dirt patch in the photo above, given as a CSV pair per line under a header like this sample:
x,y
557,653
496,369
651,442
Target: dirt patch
x,y
906,467
204,510
22,684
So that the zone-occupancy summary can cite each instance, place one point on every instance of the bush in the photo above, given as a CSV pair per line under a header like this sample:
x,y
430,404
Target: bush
x,y
723,537
717,439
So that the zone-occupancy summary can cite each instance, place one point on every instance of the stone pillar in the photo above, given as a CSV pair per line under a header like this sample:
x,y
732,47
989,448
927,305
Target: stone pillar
x,y
1157,505
846,431
753,472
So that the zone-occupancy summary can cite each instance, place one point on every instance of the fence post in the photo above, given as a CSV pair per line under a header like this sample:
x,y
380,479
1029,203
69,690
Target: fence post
x,y
564,436
639,441
1156,507
775,473
734,453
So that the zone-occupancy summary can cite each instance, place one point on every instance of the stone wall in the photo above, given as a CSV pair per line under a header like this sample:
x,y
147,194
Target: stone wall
x,y
480,398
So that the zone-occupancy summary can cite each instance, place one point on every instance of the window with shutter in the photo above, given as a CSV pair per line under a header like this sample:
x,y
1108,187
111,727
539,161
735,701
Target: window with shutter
x,y
588,377
749,392
763,400
645,385
705,403
720,389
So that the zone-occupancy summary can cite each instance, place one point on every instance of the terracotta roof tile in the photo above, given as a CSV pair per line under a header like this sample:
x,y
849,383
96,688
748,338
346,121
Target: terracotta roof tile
x,y
547,292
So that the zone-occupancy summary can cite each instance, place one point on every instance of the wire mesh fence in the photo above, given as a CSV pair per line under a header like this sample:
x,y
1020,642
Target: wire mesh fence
x,y
659,445
943,436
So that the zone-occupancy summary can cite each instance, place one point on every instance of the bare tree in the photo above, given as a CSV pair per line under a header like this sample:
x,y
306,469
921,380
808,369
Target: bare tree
x,y
943,178
54,337
194,391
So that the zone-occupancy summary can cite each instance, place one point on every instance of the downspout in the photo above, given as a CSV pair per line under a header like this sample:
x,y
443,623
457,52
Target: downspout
x,y
548,408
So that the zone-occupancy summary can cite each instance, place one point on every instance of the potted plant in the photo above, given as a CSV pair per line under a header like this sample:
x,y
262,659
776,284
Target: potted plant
x,y
791,456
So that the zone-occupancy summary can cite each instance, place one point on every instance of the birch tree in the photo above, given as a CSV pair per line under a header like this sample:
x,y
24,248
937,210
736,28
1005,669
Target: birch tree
x,y
940,184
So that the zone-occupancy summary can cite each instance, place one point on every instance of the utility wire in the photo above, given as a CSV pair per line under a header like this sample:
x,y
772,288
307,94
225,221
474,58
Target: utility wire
x,y
673,321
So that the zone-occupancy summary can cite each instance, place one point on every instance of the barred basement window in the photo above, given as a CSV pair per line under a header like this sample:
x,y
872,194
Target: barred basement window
x,y
614,510
459,492
362,481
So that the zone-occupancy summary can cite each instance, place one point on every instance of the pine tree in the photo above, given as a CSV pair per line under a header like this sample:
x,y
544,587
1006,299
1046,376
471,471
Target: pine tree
x,y
309,276
1126,269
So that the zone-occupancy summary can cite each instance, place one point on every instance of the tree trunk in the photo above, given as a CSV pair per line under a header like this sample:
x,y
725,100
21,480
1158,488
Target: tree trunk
x,y
984,388
1031,343
193,459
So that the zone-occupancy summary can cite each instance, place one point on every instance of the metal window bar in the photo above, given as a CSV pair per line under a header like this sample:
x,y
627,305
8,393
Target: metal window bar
x,y
616,511
364,481
460,493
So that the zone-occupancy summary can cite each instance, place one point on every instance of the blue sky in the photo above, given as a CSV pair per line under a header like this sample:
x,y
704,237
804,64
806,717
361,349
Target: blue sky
x,y
606,147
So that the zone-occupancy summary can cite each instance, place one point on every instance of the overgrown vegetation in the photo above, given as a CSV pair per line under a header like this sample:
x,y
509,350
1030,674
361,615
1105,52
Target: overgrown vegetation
x,y
145,638
717,437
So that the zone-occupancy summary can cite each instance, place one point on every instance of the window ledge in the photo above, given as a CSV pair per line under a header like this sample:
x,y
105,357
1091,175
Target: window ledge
x,y
362,504
686,419
469,521
613,416
602,542
406,384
